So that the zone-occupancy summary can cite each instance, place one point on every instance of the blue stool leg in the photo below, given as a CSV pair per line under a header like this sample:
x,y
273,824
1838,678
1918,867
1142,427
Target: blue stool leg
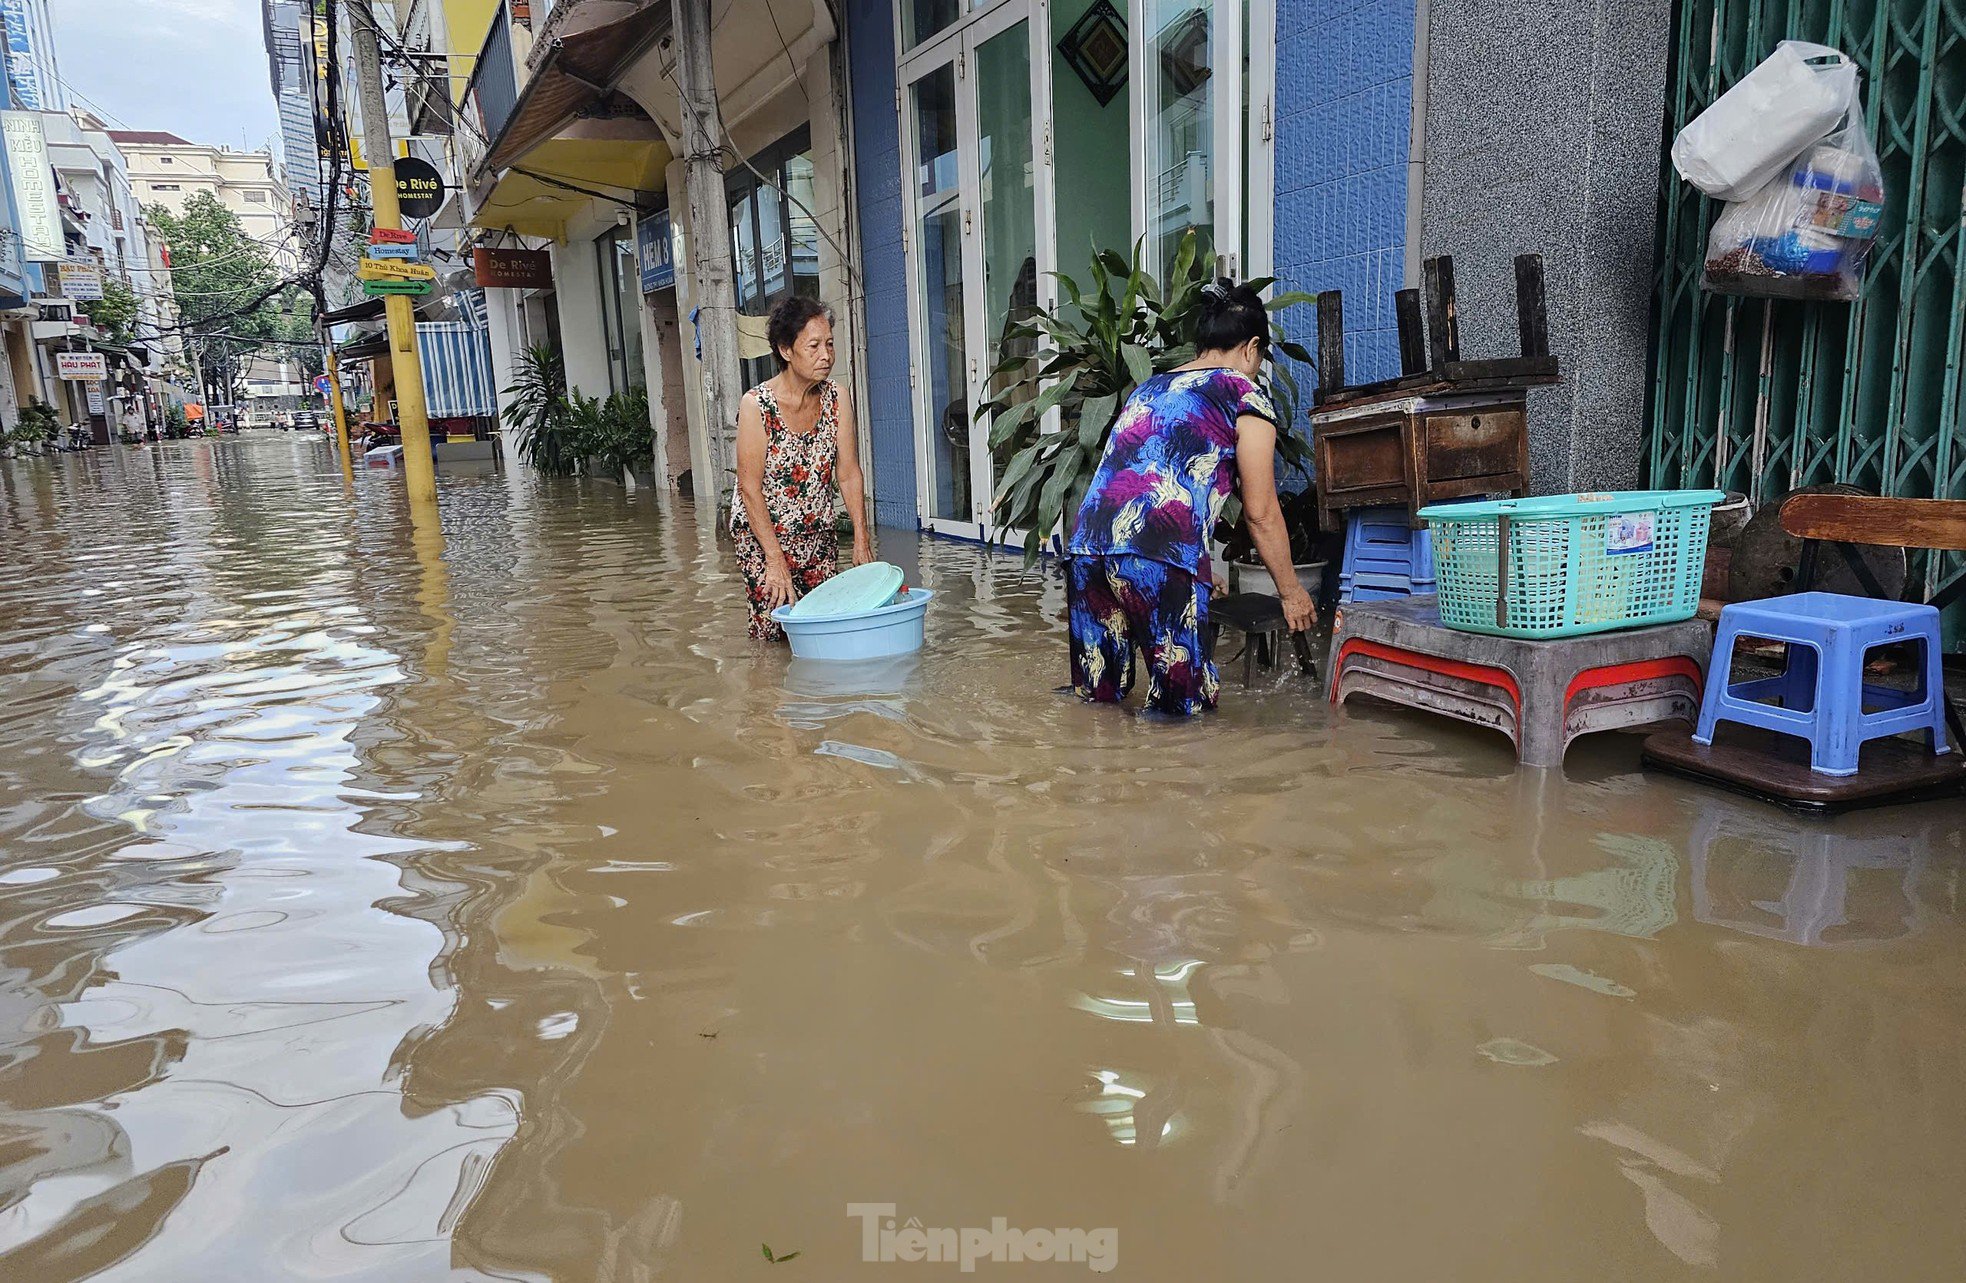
x,y
1838,732
1719,674
1935,690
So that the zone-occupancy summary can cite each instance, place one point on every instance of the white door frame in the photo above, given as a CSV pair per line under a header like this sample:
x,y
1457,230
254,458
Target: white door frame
x,y
1235,142
957,47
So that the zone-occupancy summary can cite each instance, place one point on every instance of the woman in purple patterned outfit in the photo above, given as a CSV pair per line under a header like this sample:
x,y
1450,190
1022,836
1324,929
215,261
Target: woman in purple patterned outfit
x,y
1138,572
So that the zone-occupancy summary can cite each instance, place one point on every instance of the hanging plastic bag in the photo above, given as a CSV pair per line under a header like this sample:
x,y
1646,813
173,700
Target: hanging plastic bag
x,y
1793,98
1806,234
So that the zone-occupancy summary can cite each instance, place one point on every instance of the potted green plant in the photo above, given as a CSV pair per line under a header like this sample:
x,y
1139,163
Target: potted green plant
x,y
1084,359
539,413
1246,572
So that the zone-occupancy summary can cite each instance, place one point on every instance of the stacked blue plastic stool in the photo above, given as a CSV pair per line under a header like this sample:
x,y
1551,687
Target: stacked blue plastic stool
x,y
1821,696
1386,556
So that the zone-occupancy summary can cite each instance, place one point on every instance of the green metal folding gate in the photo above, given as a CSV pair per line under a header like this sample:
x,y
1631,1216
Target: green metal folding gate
x,y
1764,397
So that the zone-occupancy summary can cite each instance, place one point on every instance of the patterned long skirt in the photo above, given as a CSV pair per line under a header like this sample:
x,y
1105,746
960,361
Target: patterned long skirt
x,y
1121,602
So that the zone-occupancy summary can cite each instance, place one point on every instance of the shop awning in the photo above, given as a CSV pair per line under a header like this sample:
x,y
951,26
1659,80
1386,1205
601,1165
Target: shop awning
x,y
579,69
369,309
364,349
457,370
538,196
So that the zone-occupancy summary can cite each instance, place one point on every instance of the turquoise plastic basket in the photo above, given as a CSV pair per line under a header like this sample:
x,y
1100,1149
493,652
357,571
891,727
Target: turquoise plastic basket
x,y
1567,565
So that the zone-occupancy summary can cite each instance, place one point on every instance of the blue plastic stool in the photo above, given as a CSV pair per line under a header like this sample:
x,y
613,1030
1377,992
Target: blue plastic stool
x,y
1386,556
1822,693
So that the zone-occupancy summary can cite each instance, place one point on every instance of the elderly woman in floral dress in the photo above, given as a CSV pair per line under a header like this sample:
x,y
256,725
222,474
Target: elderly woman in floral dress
x,y
795,447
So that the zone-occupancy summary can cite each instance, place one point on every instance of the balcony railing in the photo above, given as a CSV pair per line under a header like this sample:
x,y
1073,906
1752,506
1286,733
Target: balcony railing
x,y
494,89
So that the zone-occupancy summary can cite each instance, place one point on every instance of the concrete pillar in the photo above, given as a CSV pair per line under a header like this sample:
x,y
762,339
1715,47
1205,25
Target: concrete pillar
x,y
1542,135
577,293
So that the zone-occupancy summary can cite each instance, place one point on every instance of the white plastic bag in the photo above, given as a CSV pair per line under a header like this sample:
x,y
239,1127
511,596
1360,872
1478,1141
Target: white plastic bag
x,y
1806,234
1793,98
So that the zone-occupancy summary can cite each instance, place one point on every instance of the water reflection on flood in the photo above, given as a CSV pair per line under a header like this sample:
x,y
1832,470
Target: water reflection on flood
x,y
376,908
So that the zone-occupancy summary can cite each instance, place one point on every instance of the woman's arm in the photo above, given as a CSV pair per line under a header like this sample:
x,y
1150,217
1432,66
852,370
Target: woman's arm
x,y
1256,466
853,485
751,447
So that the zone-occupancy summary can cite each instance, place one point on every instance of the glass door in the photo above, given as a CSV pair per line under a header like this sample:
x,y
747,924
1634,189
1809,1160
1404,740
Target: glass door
x,y
973,246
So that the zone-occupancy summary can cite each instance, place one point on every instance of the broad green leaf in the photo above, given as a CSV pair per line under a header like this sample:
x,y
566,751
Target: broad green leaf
x,y
1005,426
1095,416
1296,352
1139,362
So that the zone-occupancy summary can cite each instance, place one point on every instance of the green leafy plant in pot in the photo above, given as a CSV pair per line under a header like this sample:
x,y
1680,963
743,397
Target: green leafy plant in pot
x,y
1084,359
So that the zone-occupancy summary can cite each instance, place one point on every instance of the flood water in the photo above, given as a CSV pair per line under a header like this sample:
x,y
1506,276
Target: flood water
x,y
379,911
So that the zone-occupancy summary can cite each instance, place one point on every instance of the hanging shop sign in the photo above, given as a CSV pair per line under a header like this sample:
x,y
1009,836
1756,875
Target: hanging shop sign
x,y
81,365
33,181
96,403
391,250
419,187
80,281
391,236
656,250
512,269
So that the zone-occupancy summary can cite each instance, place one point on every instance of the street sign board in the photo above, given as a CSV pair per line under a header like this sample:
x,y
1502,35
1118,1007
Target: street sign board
x,y
32,177
407,251
80,281
512,269
81,365
388,269
375,288
322,384
391,236
657,252
419,187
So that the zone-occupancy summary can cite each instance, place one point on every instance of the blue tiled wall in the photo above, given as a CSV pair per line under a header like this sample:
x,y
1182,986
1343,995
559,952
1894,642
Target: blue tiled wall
x,y
877,196
1344,118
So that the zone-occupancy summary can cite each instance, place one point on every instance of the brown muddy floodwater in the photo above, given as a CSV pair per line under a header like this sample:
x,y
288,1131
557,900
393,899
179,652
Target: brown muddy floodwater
x,y
372,914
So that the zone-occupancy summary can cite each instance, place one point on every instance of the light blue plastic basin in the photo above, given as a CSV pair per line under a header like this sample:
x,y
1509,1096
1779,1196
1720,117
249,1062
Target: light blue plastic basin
x,y
895,629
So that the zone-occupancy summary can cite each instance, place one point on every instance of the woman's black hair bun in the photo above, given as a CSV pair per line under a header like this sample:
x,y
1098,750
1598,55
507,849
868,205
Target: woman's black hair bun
x,y
1230,315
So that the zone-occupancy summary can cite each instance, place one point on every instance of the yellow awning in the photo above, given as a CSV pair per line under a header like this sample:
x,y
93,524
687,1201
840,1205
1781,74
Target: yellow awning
x,y
530,199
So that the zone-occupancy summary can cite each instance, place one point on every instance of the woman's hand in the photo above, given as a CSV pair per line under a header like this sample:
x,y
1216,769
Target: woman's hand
x,y
1299,611
863,550
778,582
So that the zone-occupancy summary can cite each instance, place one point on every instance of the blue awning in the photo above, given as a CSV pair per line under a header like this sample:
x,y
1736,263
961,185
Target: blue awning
x,y
457,370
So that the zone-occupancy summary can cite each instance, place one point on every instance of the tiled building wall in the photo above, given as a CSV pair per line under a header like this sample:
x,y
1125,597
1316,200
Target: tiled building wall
x,y
878,209
1344,116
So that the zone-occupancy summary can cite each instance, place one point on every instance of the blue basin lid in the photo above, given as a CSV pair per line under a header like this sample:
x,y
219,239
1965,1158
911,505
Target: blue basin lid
x,y
851,592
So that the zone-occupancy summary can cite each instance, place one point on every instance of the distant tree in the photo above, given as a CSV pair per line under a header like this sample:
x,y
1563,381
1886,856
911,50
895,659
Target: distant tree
x,y
215,270
115,311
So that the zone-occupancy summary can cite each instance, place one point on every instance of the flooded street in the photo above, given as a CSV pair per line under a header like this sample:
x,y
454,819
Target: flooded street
x,y
376,911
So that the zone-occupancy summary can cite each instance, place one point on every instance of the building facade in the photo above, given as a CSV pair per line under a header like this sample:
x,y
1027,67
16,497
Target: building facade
x,y
289,73
926,167
33,74
168,170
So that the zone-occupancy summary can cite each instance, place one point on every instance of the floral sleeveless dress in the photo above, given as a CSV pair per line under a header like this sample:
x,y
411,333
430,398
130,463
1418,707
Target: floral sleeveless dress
x,y
799,495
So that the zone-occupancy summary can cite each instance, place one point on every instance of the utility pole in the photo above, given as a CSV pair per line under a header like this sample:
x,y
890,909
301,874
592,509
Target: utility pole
x,y
709,232
412,415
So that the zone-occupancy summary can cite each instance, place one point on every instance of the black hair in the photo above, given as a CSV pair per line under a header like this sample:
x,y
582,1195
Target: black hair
x,y
1231,315
789,319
